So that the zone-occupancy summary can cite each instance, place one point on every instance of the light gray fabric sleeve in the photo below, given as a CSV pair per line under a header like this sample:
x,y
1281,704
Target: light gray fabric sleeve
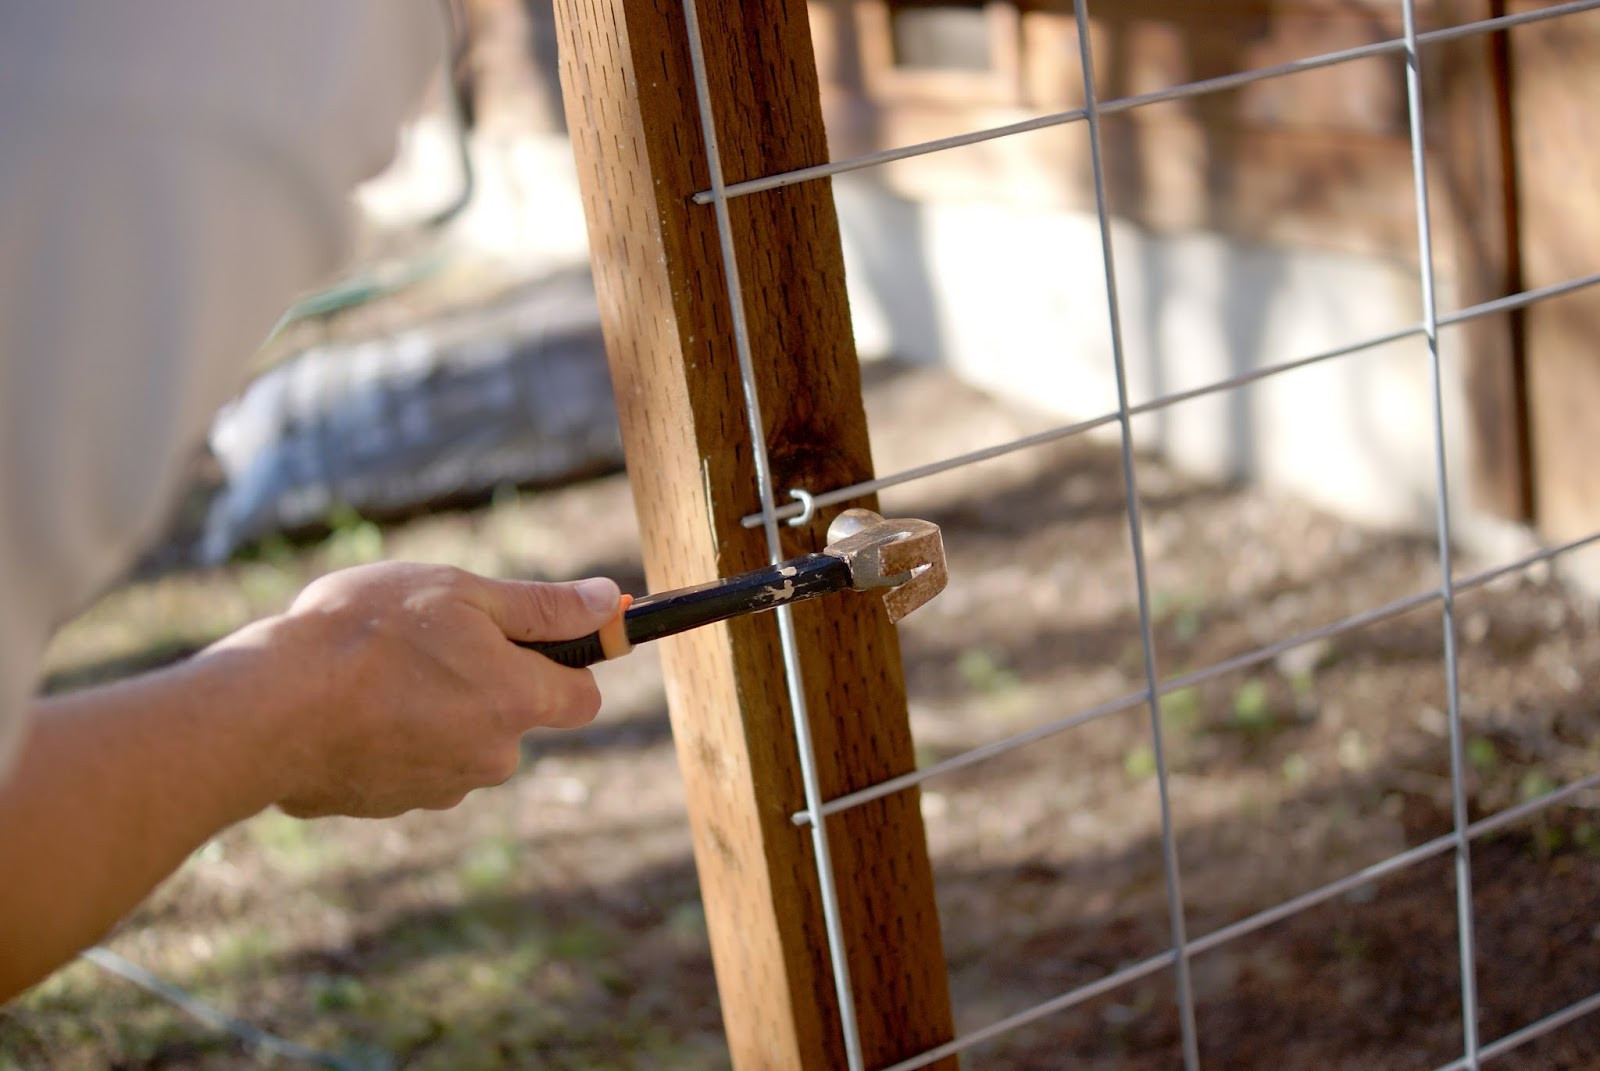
x,y
174,173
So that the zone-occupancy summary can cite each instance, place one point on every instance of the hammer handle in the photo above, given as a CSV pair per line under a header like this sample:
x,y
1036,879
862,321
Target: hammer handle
x,y
671,612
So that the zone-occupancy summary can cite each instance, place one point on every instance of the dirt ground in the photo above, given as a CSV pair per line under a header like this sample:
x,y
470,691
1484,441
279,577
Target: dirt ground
x,y
555,923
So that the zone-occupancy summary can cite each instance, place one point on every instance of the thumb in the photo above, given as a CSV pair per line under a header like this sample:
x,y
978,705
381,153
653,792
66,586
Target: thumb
x,y
526,610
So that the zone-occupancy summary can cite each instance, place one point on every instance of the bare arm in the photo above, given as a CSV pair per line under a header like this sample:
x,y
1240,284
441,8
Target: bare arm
x,y
384,688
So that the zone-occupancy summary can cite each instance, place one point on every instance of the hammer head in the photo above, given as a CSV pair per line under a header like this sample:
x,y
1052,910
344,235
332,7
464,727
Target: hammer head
x,y
904,556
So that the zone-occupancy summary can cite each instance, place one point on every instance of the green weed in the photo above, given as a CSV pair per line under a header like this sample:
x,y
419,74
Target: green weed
x,y
1181,708
336,992
1535,783
1296,769
490,865
1183,611
983,672
1140,762
353,541
291,843
581,942
1252,707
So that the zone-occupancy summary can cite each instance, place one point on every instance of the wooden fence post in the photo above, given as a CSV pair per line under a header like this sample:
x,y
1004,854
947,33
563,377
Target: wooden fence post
x,y
632,112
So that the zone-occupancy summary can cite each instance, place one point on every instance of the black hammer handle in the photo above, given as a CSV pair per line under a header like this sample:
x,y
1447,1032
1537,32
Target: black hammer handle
x,y
671,612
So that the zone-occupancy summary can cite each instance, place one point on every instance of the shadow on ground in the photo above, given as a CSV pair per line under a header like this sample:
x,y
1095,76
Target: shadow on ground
x,y
577,941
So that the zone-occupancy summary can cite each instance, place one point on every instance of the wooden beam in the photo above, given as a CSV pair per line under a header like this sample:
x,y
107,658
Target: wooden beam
x,y
1555,78
631,107
1475,178
1318,160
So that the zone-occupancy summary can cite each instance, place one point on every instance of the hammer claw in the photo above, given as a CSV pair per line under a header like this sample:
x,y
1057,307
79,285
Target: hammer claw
x,y
905,556
865,552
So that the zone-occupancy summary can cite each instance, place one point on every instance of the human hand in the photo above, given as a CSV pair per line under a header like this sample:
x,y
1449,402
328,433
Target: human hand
x,y
415,695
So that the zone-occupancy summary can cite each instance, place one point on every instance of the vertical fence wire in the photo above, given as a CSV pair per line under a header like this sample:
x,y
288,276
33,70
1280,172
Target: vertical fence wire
x,y
1130,487
837,952
1184,91
1457,737
1457,842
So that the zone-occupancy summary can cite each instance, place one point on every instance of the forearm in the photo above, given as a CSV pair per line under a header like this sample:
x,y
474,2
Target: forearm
x,y
383,688
117,785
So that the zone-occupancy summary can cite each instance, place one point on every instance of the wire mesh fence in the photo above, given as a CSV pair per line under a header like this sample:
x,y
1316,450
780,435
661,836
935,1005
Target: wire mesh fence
x,y
1456,846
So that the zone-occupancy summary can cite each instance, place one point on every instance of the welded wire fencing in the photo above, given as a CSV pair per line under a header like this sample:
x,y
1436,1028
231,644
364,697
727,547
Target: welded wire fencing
x,y
1411,49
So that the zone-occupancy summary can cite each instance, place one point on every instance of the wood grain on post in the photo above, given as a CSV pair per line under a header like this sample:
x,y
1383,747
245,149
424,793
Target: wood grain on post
x,y
632,111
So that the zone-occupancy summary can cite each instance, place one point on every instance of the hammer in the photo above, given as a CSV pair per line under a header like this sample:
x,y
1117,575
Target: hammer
x,y
865,552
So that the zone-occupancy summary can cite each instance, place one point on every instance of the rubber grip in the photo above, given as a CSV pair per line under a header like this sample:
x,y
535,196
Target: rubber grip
x,y
609,641
575,654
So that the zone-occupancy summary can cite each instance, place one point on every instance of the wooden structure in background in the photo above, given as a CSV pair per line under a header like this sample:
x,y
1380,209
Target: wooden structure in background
x,y
1318,159
1555,147
1474,176
1315,160
632,111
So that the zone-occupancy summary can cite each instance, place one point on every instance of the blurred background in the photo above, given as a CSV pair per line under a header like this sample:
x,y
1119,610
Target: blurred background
x,y
449,401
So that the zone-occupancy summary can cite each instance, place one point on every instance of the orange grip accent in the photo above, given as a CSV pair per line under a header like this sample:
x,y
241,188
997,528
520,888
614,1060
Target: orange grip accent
x,y
614,633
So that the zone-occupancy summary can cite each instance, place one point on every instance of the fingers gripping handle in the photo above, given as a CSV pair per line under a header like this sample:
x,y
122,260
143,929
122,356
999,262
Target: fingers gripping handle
x,y
668,613
575,654
905,558
610,641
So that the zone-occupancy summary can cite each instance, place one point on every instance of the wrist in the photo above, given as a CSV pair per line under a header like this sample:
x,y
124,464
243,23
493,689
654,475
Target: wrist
x,y
261,682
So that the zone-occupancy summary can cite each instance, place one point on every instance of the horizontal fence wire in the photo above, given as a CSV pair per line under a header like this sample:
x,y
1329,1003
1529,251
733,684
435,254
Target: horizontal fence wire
x,y
262,1041
1395,46
1186,680
836,495
1533,1030
1458,840
1367,875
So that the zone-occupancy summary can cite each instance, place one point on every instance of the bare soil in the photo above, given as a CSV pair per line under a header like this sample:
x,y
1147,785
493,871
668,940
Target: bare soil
x,y
555,922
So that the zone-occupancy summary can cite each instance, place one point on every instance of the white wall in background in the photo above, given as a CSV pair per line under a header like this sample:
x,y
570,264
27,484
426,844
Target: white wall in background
x,y
1014,301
